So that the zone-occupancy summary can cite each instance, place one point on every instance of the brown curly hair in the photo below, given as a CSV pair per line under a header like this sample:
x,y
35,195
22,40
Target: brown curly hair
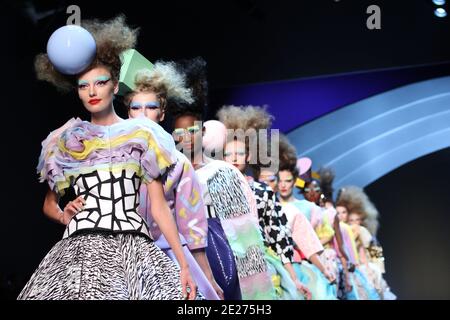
x,y
356,201
112,37
327,176
287,156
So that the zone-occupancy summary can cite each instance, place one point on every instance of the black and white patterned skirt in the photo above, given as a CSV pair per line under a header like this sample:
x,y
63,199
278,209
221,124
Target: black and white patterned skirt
x,y
105,266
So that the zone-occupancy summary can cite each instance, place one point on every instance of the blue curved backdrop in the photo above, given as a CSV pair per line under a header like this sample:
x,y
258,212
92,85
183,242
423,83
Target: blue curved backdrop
x,y
367,139
364,125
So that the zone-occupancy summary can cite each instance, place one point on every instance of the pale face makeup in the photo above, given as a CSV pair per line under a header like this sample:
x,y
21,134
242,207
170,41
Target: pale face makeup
x,y
285,184
146,104
96,90
235,154
269,178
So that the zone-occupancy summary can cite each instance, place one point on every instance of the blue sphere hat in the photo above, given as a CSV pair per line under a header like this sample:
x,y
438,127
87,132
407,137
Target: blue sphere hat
x,y
71,49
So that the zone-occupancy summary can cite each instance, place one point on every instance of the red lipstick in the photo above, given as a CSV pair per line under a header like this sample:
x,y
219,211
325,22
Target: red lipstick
x,y
94,101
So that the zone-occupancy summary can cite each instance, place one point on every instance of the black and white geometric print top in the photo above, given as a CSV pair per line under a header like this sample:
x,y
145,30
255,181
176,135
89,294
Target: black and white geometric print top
x,y
112,201
106,165
273,222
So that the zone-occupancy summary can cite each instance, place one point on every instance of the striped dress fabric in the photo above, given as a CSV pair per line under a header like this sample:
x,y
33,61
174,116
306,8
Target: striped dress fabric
x,y
106,251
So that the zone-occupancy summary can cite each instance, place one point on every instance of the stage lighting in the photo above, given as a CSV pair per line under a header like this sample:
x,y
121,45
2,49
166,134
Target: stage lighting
x,y
440,12
439,2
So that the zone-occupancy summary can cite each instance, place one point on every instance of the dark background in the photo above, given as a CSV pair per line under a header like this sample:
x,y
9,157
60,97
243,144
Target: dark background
x,y
414,203
243,42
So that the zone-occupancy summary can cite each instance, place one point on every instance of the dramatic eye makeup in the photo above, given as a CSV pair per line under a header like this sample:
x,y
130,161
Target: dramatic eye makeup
x,y
193,129
178,132
99,82
147,105
239,152
83,84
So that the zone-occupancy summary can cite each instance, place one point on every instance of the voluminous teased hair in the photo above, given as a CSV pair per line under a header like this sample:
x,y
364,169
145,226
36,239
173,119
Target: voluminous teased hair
x,y
245,117
327,176
288,156
164,81
356,201
112,37
195,72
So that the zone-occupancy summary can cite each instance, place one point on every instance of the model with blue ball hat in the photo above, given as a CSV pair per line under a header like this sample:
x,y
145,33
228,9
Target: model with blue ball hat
x,y
106,251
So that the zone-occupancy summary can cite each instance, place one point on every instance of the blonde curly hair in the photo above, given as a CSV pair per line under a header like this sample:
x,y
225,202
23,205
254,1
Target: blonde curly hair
x,y
245,117
164,81
112,37
356,201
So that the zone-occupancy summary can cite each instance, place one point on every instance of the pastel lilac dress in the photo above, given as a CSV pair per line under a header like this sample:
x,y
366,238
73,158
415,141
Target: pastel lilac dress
x,y
106,251
183,194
